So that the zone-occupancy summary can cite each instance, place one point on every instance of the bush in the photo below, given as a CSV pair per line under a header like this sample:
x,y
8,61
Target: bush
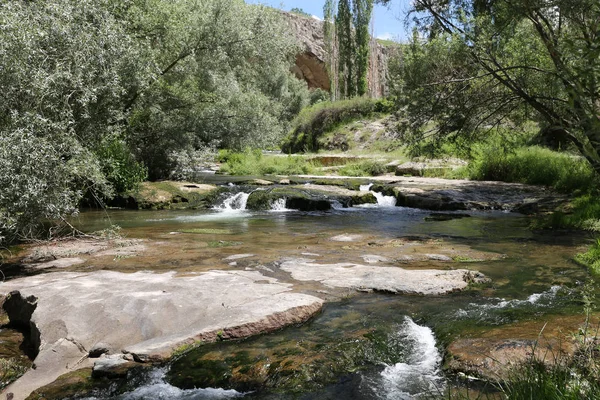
x,y
582,213
532,165
188,164
591,258
119,166
313,122
253,162
363,168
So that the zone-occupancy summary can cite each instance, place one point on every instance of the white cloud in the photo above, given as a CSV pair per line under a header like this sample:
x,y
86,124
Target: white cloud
x,y
386,36
317,18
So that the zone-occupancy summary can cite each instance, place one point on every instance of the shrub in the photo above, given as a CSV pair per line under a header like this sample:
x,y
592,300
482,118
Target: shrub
x,y
253,162
531,165
363,168
322,118
119,166
591,258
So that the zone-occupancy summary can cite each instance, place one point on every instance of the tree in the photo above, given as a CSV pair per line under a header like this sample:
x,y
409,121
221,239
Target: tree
x,y
362,17
95,91
223,76
66,67
537,58
348,45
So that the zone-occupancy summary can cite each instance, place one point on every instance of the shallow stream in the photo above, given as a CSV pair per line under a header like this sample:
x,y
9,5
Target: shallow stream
x,y
363,345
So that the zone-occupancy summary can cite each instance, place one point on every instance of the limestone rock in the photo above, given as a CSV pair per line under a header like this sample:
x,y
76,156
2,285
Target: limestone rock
x,y
385,279
310,63
98,350
147,314
115,366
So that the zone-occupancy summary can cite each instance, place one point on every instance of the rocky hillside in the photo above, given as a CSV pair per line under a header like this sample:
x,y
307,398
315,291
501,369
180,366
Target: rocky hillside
x,y
310,64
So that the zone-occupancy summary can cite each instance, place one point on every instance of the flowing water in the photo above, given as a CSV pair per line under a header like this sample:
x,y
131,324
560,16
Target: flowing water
x,y
363,345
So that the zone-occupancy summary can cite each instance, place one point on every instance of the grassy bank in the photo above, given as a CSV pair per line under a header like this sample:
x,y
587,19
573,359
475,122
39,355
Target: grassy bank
x,y
316,121
254,163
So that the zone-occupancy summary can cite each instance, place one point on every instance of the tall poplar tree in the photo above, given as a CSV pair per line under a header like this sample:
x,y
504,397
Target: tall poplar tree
x,y
350,42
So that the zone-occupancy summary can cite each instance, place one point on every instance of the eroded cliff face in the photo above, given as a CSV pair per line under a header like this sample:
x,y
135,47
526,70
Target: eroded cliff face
x,y
311,63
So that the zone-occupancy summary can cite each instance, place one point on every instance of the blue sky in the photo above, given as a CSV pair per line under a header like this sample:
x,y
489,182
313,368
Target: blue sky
x,y
389,21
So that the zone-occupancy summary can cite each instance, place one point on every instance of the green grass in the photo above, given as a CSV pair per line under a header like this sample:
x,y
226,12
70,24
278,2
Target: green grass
x,y
536,380
591,258
257,164
363,168
582,213
315,121
532,165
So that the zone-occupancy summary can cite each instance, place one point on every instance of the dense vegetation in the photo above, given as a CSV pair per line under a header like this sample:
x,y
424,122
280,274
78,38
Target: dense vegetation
x,y
348,41
491,65
100,94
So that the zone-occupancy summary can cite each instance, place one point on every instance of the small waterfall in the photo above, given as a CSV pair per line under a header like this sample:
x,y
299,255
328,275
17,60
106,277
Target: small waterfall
x,y
236,202
420,374
382,201
279,205
385,201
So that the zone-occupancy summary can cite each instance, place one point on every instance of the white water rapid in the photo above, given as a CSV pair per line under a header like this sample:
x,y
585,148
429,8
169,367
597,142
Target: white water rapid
x,y
279,205
483,311
158,389
236,202
382,201
420,374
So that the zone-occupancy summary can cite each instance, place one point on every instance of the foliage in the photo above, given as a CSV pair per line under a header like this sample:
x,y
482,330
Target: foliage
x,y
189,164
536,380
591,258
63,95
299,11
255,163
582,213
348,45
224,75
119,166
318,95
497,64
80,116
531,165
323,117
363,168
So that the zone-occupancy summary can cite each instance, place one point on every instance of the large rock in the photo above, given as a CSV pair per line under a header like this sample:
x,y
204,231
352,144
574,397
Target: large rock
x,y
493,355
311,62
450,195
380,278
145,314
295,199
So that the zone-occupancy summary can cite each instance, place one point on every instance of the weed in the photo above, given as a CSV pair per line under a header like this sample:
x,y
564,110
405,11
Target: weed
x,y
313,122
591,258
532,165
363,168
253,162
10,370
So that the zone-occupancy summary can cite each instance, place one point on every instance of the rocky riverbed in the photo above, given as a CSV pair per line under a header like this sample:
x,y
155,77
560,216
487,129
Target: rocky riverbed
x,y
113,303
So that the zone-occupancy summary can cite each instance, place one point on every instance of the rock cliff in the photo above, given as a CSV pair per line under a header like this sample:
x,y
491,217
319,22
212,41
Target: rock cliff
x,y
311,62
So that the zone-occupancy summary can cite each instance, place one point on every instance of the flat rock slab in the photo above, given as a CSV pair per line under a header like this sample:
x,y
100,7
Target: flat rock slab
x,y
147,314
380,278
